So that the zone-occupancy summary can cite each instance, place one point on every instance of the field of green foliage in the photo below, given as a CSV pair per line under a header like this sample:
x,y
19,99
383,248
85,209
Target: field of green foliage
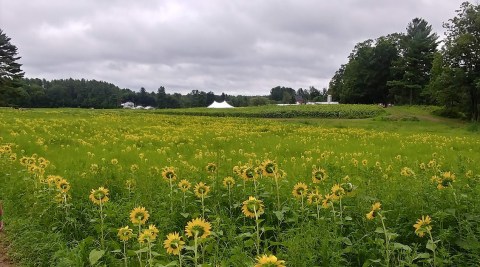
x,y
138,188
290,111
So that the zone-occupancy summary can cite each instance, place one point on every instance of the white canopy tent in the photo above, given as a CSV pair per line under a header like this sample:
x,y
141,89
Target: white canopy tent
x,y
216,104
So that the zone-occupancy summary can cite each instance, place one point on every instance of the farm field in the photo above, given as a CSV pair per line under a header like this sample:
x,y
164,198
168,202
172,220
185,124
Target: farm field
x,y
139,188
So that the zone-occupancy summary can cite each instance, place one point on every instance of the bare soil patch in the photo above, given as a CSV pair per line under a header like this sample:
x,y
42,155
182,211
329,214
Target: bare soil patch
x,y
4,260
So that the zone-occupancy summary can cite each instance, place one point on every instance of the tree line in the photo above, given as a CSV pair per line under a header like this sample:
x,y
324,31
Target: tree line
x,y
415,68
81,93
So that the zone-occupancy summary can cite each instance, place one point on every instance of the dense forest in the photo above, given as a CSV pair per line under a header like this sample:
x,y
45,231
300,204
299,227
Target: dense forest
x,y
410,68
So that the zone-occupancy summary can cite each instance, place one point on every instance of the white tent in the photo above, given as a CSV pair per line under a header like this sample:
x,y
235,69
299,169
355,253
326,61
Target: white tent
x,y
216,104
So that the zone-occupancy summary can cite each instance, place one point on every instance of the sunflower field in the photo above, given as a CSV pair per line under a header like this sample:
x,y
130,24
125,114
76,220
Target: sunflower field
x,y
132,188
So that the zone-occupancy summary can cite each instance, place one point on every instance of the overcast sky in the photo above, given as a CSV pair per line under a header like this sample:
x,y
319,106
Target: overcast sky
x,y
232,46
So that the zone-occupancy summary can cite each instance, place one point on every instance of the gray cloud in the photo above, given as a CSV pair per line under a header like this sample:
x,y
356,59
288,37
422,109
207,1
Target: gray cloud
x,y
236,47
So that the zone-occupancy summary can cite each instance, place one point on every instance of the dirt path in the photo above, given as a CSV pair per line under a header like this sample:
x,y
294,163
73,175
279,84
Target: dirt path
x,y
4,260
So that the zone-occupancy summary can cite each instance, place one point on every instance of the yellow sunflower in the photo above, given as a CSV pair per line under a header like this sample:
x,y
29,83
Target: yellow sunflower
x,y
269,261
99,196
326,202
248,173
374,212
446,180
337,191
63,186
130,184
125,233
201,190
153,231
300,190
168,173
173,244
228,182
62,197
134,168
269,168
211,167
146,236
198,227
237,170
139,216
319,175
184,185
348,187
423,226
314,197
252,205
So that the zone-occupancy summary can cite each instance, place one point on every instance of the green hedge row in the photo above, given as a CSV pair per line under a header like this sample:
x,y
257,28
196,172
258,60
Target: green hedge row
x,y
294,111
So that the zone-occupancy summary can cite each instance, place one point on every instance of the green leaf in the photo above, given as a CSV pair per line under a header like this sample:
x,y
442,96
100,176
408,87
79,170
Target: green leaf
x,y
249,243
431,245
379,230
244,235
95,256
401,246
172,263
142,250
422,256
347,241
279,215
185,215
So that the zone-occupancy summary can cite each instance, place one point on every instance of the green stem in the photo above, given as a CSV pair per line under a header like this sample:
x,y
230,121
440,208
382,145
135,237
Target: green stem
x,y
203,208
229,201
454,194
333,212
278,191
183,201
139,255
101,226
195,248
125,258
431,239
171,195
387,241
341,215
180,259
257,230
150,259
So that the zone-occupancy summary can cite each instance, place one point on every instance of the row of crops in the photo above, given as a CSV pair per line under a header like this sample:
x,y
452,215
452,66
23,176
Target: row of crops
x,y
293,111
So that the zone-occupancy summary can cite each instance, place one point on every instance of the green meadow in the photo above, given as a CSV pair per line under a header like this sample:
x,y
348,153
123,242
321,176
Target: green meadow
x,y
369,187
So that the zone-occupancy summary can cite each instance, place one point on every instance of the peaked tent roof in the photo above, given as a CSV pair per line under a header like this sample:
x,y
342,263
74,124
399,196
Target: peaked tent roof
x,y
216,104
